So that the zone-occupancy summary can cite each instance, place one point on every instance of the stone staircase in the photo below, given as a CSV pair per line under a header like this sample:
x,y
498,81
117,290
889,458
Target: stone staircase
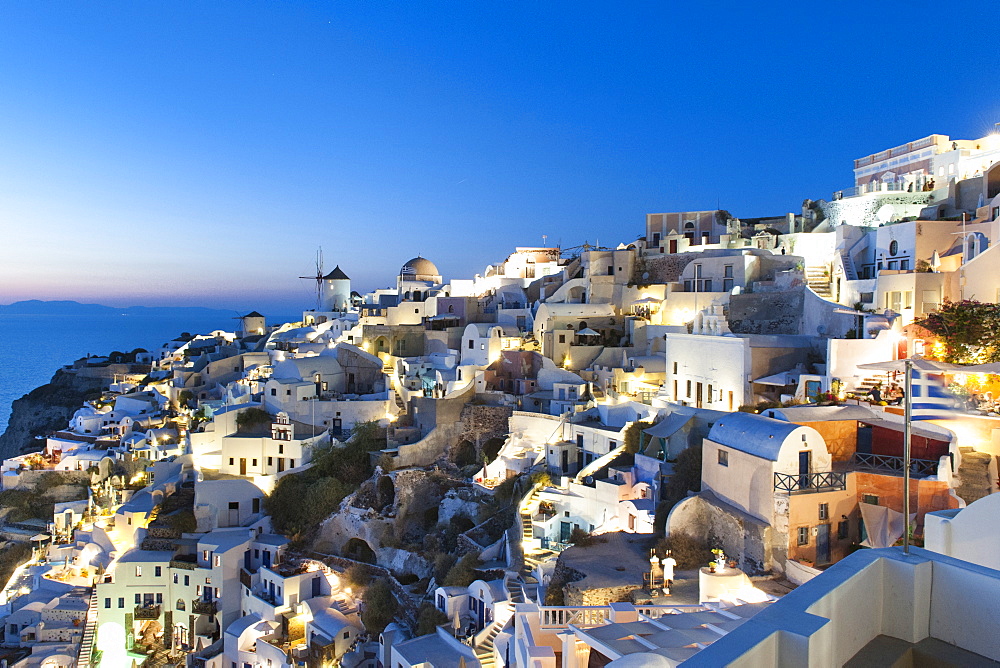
x,y
818,280
87,642
974,475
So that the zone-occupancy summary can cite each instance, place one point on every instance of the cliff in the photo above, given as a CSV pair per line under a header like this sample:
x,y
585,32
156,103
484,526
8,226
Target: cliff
x,y
46,409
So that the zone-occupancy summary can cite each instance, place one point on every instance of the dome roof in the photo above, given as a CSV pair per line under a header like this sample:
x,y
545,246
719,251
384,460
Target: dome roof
x,y
419,266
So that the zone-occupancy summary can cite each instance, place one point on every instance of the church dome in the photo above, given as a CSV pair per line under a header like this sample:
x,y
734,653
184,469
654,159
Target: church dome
x,y
418,268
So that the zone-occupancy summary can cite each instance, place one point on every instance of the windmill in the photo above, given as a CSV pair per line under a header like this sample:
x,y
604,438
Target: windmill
x,y
318,278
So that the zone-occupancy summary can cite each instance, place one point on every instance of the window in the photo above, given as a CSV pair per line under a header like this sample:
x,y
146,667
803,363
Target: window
x,y
254,462
231,461
675,367
234,505
724,457
270,461
187,580
824,511
175,578
159,598
281,448
689,388
107,603
255,503
803,536
870,498
482,346
218,560
562,338
138,571
347,634
471,344
121,601
274,392
291,463
709,394
157,571
138,599
893,247
842,530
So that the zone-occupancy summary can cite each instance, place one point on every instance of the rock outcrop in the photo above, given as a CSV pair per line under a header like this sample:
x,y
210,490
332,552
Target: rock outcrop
x,y
46,409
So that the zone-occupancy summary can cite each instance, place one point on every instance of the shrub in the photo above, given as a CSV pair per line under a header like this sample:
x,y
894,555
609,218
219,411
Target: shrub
x,y
443,564
183,521
690,552
581,538
429,619
380,606
541,478
357,575
249,419
463,573
686,478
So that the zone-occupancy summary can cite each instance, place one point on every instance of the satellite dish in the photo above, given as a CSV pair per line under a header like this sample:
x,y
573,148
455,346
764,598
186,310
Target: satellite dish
x,y
645,274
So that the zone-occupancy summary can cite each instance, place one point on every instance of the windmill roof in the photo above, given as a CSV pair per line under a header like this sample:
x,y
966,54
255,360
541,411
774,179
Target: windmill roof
x,y
336,274
253,314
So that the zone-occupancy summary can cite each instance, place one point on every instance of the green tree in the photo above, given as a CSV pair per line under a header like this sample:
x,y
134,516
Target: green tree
x,y
463,573
969,330
429,619
251,418
686,478
380,606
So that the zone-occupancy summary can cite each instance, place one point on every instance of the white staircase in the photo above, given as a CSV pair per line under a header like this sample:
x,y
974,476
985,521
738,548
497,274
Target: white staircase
x,y
87,642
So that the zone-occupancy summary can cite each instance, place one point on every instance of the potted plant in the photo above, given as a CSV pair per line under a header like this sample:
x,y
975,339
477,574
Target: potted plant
x,y
711,566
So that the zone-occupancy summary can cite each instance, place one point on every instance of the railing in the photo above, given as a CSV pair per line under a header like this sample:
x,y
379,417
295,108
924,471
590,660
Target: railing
x,y
147,612
203,607
553,617
919,468
809,482
554,545
562,616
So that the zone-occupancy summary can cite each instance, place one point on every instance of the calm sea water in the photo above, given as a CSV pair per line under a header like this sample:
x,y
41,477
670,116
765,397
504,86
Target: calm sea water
x,y
33,347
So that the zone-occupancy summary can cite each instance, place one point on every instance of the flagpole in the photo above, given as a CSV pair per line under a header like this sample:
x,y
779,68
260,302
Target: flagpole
x,y
907,416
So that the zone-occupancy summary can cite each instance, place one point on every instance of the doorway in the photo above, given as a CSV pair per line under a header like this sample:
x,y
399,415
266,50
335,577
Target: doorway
x,y
823,544
243,466
805,461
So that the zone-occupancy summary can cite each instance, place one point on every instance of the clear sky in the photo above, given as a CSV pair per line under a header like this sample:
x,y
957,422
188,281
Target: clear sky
x,y
168,153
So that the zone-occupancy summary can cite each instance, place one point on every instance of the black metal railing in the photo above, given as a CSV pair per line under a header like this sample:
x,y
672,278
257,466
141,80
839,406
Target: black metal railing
x,y
824,481
147,612
203,607
888,465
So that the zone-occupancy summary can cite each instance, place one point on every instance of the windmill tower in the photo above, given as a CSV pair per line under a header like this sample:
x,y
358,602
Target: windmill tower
x,y
336,291
318,278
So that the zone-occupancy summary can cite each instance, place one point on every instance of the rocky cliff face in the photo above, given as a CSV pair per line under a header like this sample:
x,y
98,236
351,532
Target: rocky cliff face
x,y
46,409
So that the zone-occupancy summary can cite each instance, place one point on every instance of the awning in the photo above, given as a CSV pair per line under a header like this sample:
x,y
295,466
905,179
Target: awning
x,y
790,377
919,363
883,525
587,331
930,366
669,426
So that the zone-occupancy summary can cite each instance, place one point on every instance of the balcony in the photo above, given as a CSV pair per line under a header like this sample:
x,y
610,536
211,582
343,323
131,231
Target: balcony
x,y
147,612
887,465
825,481
202,607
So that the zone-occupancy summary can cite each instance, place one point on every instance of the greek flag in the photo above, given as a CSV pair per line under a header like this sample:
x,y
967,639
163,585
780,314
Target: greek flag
x,y
930,400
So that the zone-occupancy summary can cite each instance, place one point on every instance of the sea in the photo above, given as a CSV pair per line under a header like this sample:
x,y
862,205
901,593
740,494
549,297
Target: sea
x,y
33,347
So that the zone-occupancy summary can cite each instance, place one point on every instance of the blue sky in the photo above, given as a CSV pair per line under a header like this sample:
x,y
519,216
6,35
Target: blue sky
x,y
199,153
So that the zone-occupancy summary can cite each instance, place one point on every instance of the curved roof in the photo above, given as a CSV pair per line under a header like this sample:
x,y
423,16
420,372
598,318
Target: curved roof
x,y
420,266
753,434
